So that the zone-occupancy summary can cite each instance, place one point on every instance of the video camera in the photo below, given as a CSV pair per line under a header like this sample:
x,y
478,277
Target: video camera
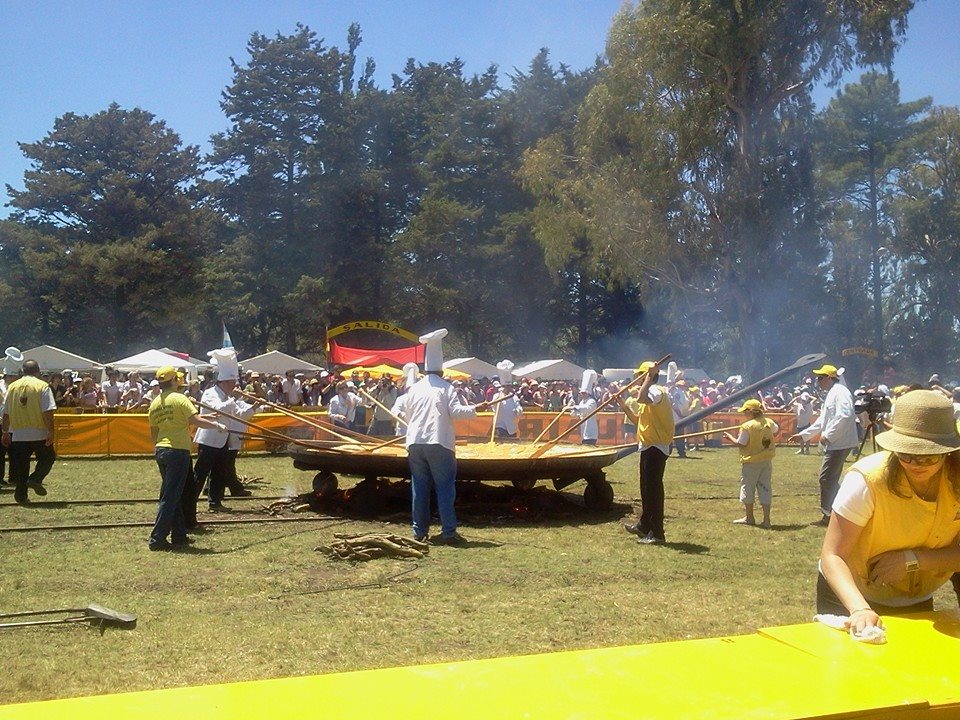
x,y
871,403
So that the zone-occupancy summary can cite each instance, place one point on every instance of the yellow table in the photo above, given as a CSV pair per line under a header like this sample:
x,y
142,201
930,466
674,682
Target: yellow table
x,y
922,655
743,677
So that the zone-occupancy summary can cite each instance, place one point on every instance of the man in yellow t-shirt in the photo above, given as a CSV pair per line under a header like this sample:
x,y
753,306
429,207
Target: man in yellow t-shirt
x,y
757,449
654,420
28,428
170,416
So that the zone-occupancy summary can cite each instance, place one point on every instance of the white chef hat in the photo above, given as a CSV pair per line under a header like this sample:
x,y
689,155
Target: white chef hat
x,y
433,362
410,373
588,381
505,367
225,360
672,371
13,362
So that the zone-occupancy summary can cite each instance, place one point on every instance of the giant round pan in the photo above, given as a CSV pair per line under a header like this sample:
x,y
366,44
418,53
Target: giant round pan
x,y
511,462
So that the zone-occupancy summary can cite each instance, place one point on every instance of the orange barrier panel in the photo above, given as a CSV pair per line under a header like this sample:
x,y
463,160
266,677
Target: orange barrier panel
x,y
129,433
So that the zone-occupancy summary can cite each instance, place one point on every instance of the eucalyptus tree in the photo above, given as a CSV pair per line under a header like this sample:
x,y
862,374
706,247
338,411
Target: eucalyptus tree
x,y
691,164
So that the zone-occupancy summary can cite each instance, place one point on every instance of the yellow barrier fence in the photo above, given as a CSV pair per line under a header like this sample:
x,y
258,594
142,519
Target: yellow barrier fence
x,y
129,433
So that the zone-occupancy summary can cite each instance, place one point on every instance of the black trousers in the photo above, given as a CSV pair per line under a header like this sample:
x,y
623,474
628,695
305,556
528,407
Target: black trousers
x,y
20,454
3,462
213,468
652,465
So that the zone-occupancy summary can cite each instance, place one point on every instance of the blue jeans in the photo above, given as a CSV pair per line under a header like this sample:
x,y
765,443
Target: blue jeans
x,y
433,466
174,466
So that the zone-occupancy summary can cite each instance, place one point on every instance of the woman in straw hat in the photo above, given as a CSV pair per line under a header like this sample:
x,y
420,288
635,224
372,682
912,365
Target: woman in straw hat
x,y
892,537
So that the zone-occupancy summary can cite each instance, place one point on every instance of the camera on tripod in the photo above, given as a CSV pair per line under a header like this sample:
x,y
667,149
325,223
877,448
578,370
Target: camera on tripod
x,y
871,403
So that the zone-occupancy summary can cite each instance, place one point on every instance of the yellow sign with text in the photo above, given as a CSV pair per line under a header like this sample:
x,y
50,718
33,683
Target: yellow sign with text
x,y
372,325
865,351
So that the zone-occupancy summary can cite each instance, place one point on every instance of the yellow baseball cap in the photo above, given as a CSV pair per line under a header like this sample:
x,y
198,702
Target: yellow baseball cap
x,y
644,367
166,373
751,404
828,370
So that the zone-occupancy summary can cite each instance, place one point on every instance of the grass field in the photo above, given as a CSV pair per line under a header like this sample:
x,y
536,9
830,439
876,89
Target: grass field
x,y
258,601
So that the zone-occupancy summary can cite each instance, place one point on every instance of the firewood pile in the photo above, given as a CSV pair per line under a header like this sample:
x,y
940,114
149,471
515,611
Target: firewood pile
x,y
278,507
370,546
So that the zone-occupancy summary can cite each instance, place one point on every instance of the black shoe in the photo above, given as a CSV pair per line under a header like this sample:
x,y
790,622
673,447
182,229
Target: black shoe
x,y
218,508
651,539
455,539
182,542
420,538
21,500
242,492
162,546
38,488
822,522
635,528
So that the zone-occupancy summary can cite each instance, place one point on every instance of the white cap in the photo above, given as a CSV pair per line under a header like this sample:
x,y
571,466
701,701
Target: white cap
x,y
13,362
225,360
324,373
154,383
350,384
410,373
505,367
433,362
588,381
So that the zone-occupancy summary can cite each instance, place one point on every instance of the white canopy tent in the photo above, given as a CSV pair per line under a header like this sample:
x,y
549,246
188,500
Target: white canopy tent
x,y
474,367
53,359
550,370
277,363
149,361
201,364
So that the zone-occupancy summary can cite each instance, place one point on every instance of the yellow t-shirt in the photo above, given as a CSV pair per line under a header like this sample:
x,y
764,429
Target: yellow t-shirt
x,y
655,424
170,413
760,445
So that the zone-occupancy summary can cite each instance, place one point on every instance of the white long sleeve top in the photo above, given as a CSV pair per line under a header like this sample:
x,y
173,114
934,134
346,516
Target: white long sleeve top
x,y
837,423
217,399
432,405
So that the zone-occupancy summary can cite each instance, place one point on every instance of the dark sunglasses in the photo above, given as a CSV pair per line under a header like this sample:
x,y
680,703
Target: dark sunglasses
x,y
921,460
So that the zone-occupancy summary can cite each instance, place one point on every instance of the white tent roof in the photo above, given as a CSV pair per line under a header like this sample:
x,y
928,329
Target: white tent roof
x,y
152,360
550,370
277,363
474,367
202,364
53,358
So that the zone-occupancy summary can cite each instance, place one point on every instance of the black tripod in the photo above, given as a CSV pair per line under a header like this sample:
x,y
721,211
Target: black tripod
x,y
870,433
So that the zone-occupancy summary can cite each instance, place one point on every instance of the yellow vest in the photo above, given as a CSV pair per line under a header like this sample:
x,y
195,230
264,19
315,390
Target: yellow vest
x,y
760,445
655,422
901,523
23,403
170,413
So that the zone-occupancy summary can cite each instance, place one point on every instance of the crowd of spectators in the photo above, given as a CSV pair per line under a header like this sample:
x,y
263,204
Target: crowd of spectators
x,y
366,396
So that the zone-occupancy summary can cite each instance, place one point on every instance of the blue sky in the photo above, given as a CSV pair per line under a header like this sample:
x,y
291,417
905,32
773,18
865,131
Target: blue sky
x,y
171,57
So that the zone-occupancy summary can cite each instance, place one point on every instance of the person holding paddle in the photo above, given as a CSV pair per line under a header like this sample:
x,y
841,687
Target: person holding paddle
x,y
655,426
432,405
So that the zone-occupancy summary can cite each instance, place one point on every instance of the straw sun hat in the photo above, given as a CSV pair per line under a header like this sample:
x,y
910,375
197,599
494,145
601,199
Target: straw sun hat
x,y
923,424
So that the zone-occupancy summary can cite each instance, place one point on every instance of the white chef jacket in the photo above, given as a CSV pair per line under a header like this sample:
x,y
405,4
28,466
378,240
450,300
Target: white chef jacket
x,y
507,414
432,405
216,398
837,423
590,430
